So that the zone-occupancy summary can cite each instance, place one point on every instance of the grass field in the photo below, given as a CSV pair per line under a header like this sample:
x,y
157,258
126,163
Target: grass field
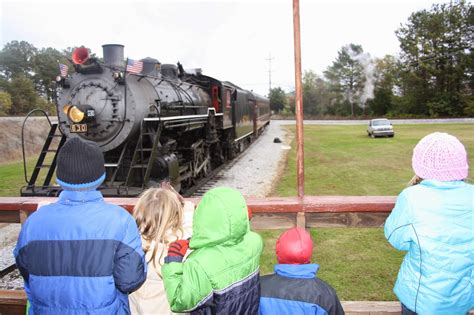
x,y
13,178
358,262
343,160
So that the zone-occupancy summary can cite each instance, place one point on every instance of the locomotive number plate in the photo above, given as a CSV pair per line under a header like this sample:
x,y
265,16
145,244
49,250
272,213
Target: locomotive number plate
x,y
78,128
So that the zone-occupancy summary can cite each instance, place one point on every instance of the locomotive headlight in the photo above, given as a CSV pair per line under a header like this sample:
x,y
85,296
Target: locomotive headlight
x,y
66,108
75,114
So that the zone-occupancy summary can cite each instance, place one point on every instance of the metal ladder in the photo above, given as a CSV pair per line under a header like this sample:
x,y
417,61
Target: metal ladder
x,y
116,166
31,183
144,156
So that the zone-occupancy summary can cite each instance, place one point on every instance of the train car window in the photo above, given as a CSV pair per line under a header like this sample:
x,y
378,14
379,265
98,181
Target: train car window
x,y
215,98
227,99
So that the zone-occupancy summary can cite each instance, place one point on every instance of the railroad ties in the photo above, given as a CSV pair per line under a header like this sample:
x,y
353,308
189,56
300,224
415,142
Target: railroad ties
x,y
209,182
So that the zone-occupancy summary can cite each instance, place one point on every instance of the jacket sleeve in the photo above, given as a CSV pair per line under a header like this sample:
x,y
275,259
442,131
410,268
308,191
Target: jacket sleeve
x,y
187,285
399,226
129,262
337,309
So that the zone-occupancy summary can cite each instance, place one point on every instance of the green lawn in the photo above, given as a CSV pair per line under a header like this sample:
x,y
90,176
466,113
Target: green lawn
x,y
358,262
13,178
343,160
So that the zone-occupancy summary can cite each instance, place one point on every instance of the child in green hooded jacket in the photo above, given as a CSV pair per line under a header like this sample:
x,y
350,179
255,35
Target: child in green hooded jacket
x,y
221,275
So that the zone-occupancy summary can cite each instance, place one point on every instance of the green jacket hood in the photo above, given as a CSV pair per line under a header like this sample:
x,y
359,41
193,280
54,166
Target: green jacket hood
x,y
220,218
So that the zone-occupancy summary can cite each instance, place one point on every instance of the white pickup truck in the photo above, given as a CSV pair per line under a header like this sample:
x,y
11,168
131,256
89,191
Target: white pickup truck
x,y
380,127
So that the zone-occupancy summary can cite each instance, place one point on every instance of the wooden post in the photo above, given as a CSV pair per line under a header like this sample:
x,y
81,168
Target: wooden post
x,y
12,302
301,220
298,99
23,216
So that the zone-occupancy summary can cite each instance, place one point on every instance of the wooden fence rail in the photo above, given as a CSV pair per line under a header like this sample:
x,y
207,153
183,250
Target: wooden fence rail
x,y
274,212
269,213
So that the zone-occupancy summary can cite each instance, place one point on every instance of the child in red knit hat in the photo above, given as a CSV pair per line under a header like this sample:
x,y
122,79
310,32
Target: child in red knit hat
x,y
294,287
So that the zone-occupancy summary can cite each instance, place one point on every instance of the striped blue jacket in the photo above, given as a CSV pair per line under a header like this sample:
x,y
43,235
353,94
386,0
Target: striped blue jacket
x,y
80,255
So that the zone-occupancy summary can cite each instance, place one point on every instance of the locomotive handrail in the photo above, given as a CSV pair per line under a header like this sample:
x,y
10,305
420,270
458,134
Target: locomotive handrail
x,y
23,138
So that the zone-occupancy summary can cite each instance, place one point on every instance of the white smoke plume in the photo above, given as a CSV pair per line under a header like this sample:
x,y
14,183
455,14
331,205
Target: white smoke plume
x,y
369,73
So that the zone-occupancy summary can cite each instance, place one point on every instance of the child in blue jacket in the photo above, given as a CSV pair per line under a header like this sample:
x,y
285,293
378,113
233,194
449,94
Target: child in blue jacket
x,y
294,287
80,255
433,221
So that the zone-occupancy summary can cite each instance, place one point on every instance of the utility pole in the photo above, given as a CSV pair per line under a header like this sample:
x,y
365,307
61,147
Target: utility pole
x,y
298,99
270,58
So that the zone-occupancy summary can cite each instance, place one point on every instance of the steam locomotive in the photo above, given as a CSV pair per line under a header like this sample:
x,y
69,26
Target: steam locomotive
x,y
153,121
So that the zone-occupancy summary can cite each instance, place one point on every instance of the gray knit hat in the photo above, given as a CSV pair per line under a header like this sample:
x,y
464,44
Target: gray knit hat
x,y
80,165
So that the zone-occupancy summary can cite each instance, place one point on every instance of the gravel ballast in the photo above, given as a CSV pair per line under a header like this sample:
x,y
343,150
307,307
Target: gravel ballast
x,y
257,168
8,236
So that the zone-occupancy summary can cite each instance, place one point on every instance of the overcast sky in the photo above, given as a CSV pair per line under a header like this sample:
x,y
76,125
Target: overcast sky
x,y
229,40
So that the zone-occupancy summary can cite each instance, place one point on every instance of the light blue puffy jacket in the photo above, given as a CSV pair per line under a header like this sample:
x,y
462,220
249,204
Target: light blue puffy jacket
x,y
434,222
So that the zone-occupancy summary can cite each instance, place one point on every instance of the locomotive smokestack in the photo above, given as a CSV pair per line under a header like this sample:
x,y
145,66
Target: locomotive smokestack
x,y
113,55
151,66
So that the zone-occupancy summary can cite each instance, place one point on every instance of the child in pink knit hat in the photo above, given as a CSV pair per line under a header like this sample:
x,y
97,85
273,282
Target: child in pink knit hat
x,y
433,221
441,157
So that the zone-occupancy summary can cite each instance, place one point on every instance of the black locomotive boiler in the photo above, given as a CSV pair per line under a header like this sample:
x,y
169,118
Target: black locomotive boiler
x,y
153,121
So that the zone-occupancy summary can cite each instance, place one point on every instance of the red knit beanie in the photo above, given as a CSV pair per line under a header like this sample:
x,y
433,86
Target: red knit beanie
x,y
295,246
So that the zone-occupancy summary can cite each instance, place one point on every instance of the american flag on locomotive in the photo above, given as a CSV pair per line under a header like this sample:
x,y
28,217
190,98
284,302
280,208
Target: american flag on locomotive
x,y
63,69
134,66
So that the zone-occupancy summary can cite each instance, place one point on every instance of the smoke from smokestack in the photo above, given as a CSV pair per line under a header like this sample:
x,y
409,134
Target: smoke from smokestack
x,y
369,73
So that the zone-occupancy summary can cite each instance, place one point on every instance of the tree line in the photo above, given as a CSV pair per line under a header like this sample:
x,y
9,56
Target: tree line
x,y
433,75
27,77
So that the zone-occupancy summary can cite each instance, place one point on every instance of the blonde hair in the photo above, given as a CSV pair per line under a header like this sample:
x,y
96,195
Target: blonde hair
x,y
157,212
415,180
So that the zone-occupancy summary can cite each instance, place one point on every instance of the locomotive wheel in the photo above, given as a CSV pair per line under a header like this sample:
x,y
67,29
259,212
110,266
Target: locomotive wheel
x,y
217,155
201,164
206,163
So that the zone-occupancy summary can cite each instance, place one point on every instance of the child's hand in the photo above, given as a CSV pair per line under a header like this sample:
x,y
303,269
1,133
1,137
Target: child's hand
x,y
177,250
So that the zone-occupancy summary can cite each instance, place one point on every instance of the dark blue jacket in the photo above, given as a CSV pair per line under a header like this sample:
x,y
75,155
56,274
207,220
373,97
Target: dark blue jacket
x,y
294,289
80,255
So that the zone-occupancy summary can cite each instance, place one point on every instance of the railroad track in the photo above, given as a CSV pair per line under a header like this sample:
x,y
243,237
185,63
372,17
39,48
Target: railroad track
x,y
207,183
9,278
7,270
